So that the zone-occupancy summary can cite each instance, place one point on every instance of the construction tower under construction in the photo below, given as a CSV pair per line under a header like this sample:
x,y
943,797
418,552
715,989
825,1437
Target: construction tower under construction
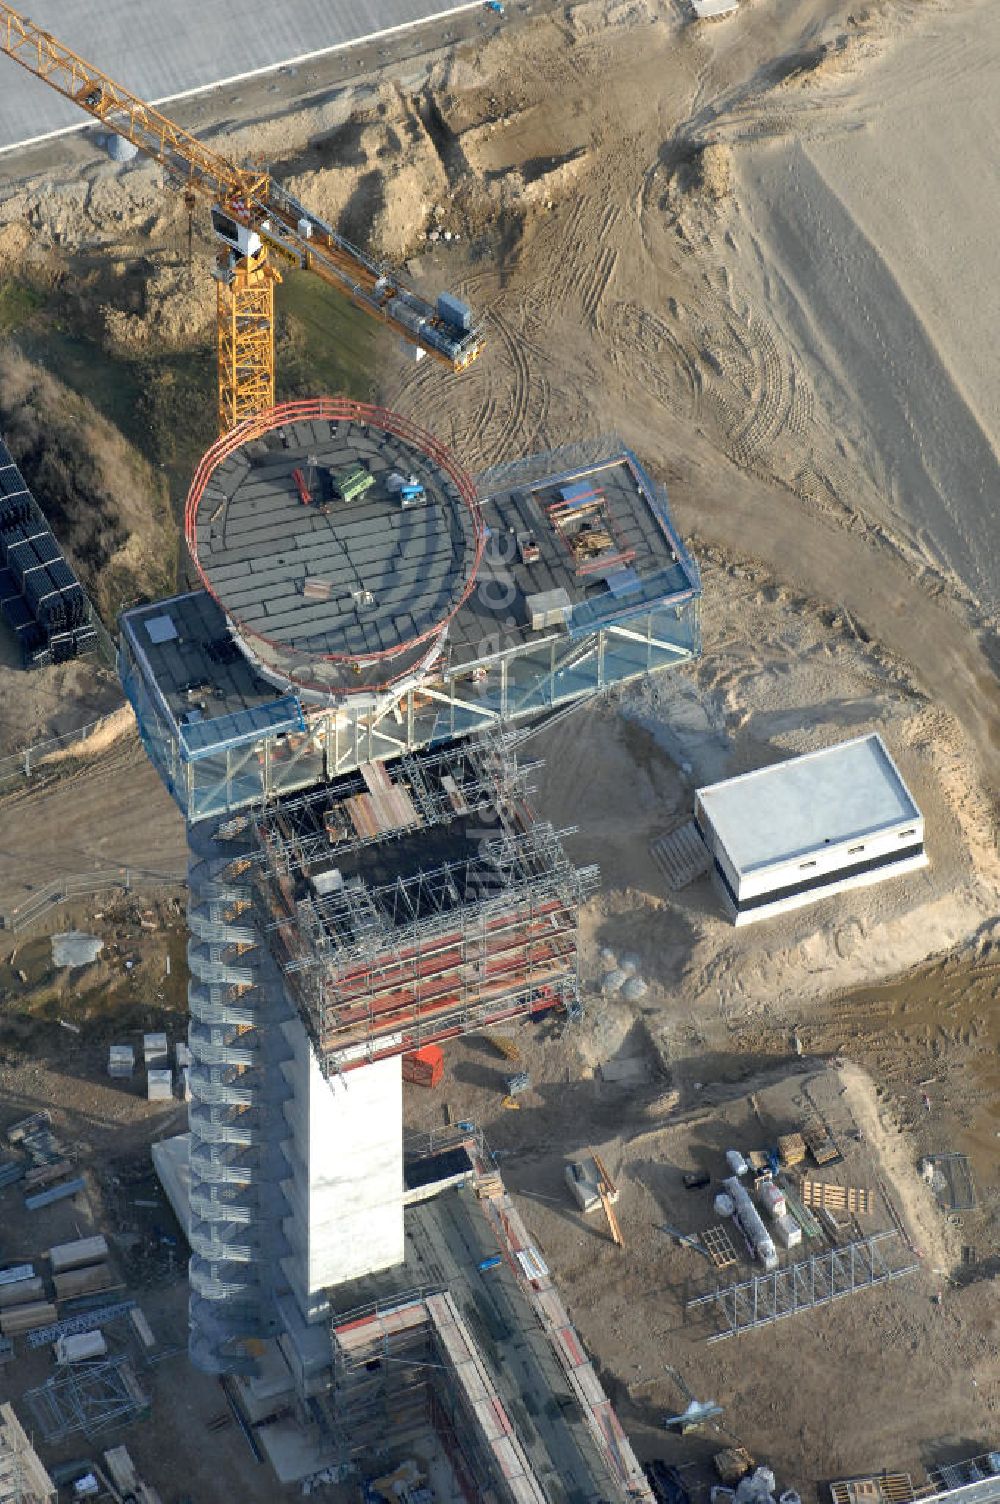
x,y
334,711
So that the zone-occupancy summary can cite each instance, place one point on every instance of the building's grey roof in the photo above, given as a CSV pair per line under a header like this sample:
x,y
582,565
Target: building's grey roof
x,y
496,614
384,576
163,49
199,671
784,811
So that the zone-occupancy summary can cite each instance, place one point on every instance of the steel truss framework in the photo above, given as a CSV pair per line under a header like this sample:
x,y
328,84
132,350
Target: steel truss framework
x,y
296,833
815,1281
87,1398
245,334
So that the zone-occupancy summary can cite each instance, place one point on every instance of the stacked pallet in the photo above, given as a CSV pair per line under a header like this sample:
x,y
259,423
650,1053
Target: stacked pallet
x,y
386,806
820,1142
17,1319
121,1061
77,1254
82,1268
21,1292
424,1067
791,1149
41,599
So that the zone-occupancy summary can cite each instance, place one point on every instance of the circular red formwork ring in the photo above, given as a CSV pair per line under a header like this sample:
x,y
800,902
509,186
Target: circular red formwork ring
x,y
335,409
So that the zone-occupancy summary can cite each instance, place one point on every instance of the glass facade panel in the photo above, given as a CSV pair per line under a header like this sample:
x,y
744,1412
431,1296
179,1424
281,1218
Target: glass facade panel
x,y
294,762
576,672
624,657
209,786
529,681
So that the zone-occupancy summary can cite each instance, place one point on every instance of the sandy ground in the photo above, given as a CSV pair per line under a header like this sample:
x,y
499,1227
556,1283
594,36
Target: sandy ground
x,y
752,249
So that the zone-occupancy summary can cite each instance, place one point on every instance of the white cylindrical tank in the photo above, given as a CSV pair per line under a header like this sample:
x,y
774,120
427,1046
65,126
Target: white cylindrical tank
x,y
724,1205
749,1219
773,1200
736,1162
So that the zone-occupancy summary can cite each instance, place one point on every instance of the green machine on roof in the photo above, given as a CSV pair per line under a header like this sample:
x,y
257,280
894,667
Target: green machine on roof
x,y
352,482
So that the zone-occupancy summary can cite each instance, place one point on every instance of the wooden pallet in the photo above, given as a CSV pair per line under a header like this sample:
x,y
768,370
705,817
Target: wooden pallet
x,y
820,1143
719,1246
791,1149
887,1488
838,1198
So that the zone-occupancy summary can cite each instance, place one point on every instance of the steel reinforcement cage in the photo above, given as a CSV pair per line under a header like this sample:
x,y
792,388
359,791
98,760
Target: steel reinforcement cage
x,y
382,970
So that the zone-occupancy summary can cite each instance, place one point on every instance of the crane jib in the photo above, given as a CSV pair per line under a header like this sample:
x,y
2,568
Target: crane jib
x,y
256,219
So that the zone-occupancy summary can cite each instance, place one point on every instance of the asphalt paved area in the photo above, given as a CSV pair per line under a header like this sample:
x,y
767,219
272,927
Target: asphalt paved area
x,y
166,49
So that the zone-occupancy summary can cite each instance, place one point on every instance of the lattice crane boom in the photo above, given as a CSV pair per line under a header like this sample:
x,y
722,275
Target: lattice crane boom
x,y
257,223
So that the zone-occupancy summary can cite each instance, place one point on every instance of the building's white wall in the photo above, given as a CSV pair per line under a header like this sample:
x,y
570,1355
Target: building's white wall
x,y
800,900
345,1160
828,860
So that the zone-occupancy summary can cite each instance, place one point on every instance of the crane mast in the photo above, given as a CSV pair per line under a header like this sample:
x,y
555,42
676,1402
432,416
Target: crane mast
x,y
257,224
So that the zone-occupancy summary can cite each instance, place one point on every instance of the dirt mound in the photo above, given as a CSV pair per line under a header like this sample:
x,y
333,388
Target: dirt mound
x,y
387,177
174,308
105,504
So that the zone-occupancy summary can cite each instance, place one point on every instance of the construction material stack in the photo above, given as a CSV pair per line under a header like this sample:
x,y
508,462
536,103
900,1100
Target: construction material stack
x,y
41,600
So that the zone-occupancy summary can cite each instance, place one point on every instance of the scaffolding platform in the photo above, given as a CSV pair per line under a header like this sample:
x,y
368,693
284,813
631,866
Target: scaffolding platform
x,y
816,1281
395,939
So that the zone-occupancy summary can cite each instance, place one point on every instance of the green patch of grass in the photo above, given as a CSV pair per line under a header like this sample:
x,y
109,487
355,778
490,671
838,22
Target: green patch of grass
x,y
326,347
18,305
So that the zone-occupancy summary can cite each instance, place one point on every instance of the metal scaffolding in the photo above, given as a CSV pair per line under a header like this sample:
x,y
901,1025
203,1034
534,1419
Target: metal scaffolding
x,y
816,1281
383,954
317,828
87,1397
412,1365
383,1360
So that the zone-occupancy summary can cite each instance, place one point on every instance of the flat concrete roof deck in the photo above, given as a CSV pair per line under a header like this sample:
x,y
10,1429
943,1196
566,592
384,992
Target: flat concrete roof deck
x,y
778,813
199,671
654,570
365,580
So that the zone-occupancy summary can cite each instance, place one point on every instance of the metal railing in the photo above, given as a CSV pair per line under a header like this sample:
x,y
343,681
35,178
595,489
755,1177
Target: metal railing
x,y
83,885
20,767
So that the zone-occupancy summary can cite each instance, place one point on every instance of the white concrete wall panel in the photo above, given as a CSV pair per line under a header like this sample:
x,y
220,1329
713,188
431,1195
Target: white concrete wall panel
x,y
345,1182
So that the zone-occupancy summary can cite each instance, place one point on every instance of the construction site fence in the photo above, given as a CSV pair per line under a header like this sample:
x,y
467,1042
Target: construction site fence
x,y
20,767
84,885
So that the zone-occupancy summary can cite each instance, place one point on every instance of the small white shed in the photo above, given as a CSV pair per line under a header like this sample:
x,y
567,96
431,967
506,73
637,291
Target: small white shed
x,y
797,831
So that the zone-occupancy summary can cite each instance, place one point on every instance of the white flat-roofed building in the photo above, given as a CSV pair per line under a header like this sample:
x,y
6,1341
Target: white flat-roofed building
x,y
792,833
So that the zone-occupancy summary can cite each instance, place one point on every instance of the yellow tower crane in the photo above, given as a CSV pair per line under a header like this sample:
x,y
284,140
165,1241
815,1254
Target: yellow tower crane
x,y
256,223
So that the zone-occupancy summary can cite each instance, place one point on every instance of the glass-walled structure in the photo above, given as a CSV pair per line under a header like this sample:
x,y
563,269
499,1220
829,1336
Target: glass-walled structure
x,y
583,584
